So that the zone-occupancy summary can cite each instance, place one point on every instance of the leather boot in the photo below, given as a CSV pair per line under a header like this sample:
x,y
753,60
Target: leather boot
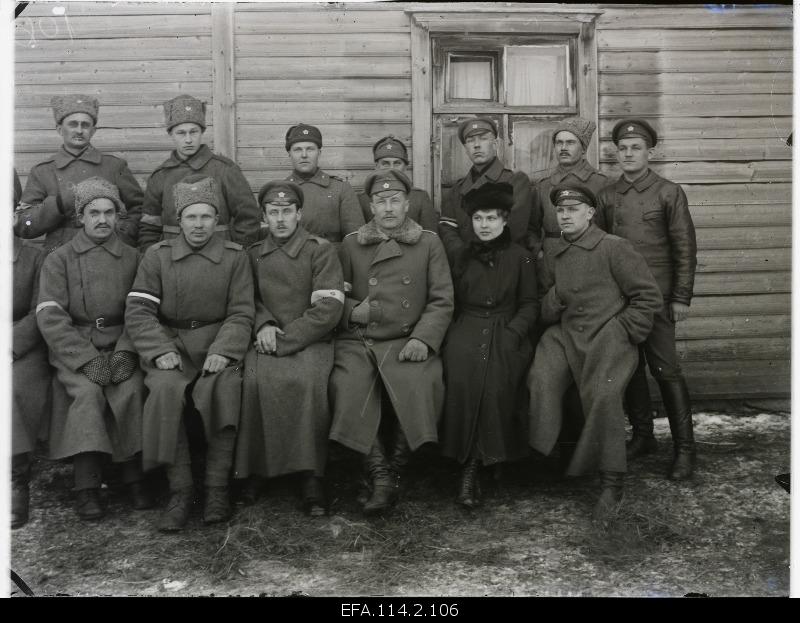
x,y
640,415
469,487
141,496
384,481
608,503
177,511
217,506
20,492
313,494
401,454
87,504
677,404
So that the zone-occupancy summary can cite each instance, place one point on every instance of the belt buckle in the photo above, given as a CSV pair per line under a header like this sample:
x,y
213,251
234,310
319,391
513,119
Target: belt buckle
x,y
100,323
193,324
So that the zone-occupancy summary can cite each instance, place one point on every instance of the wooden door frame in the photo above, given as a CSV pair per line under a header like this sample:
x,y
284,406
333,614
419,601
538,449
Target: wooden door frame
x,y
530,21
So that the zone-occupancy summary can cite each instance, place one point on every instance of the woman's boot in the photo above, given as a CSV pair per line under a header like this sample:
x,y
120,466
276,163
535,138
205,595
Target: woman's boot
x,y
468,488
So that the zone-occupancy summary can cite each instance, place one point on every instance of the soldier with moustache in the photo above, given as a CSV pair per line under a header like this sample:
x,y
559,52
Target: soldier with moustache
x,y
47,205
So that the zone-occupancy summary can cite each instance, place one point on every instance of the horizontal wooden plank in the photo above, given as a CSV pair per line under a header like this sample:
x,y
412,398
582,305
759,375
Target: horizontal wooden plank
x,y
666,61
743,39
743,304
68,72
129,138
340,134
743,260
710,16
741,214
728,349
31,29
349,44
342,90
738,149
734,194
712,127
275,156
76,9
143,116
743,83
744,237
699,328
744,283
289,113
716,172
122,93
736,379
319,19
151,48
725,105
324,68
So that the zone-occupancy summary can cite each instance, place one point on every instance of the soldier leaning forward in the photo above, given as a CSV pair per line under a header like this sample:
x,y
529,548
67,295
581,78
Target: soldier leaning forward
x,y
299,299
239,220
80,314
47,205
190,315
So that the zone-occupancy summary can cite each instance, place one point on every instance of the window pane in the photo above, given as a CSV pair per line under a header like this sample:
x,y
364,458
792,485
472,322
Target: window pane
x,y
471,77
533,145
537,75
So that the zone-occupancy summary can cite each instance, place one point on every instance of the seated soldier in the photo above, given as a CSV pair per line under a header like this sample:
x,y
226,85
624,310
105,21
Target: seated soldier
x,y
398,307
190,315
601,304
299,295
80,314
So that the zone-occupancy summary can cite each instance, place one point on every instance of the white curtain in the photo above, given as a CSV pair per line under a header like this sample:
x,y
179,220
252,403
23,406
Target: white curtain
x,y
537,76
470,79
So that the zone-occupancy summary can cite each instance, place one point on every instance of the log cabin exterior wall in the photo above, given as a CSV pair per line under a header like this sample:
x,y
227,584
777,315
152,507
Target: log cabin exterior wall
x,y
716,84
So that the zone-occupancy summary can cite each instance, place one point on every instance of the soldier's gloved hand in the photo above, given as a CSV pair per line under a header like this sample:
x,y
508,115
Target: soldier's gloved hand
x,y
97,371
414,350
215,363
267,339
123,364
169,361
360,313
678,312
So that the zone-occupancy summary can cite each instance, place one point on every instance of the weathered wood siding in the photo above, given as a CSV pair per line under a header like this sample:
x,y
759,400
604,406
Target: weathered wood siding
x,y
716,85
131,56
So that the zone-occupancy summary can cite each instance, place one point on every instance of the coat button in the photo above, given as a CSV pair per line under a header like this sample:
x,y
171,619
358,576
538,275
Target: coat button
x,y
485,331
483,346
373,281
580,308
369,341
406,279
406,328
373,325
405,304
373,303
489,301
580,328
574,289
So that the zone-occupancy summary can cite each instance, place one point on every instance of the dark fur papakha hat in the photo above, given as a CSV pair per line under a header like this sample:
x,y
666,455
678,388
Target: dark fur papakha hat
x,y
195,188
65,105
184,109
96,188
490,196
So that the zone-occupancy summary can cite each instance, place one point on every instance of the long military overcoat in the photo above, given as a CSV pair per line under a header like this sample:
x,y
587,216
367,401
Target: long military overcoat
x,y
487,351
30,371
420,209
600,306
407,280
286,415
175,284
57,176
330,206
239,216
80,314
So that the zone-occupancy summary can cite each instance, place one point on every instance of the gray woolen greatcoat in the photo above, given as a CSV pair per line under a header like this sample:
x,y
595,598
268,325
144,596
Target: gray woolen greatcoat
x,y
600,307
285,410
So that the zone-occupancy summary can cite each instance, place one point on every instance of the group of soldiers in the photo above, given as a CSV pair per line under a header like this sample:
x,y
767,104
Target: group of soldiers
x,y
196,328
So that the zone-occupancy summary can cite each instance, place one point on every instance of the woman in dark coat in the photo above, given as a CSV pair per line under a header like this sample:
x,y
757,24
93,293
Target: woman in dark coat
x,y
487,351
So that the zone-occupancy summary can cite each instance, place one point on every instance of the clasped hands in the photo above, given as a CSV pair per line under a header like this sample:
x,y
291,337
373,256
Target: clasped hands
x,y
212,364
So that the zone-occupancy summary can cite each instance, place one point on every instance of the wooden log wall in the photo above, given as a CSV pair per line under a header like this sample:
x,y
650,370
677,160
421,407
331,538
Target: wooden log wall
x,y
716,84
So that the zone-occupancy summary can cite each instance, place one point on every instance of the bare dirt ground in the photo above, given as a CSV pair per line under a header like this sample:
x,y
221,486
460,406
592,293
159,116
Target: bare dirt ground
x,y
725,533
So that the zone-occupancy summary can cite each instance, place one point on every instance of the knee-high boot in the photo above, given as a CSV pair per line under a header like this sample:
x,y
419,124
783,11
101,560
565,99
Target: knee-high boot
x,y
675,395
384,481
640,415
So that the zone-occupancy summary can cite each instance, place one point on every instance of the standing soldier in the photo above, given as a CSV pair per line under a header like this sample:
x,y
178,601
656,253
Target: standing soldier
x,y
48,204
654,215
479,138
238,215
80,314
190,314
391,153
30,372
600,306
398,307
330,207
299,297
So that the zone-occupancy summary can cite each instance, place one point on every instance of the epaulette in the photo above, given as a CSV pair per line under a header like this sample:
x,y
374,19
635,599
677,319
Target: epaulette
x,y
163,243
431,232
336,177
318,239
255,244
230,244
352,233
221,158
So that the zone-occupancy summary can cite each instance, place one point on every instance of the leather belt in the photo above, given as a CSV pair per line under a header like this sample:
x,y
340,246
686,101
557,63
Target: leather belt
x,y
187,324
100,323
550,234
175,229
